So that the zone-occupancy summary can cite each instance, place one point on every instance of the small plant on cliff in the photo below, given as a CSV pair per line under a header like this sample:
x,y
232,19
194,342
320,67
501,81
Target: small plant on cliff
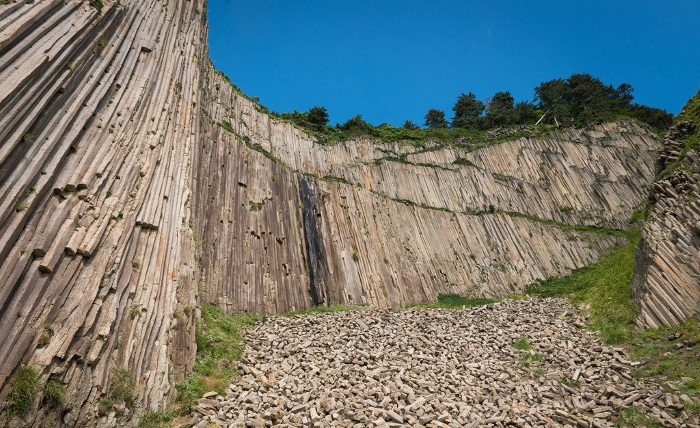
x,y
97,4
53,394
136,265
23,388
122,390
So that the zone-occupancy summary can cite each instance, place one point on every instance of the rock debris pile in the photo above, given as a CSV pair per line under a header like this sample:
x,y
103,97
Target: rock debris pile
x,y
522,363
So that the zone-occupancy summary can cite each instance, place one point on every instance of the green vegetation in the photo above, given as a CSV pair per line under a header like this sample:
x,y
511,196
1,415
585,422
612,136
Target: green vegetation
x,y
583,99
436,119
53,394
455,301
136,265
219,346
160,419
97,4
690,112
632,417
257,147
23,388
355,254
580,100
666,357
604,288
467,111
315,310
570,382
522,344
122,390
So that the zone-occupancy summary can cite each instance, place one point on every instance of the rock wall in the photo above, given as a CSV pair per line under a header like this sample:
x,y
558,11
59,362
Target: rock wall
x,y
98,121
391,224
136,183
667,282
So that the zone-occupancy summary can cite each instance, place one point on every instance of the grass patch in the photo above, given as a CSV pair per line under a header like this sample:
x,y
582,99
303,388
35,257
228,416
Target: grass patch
x,y
633,417
522,344
219,346
315,310
122,390
53,394
666,357
159,419
454,301
570,382
605,286
23,388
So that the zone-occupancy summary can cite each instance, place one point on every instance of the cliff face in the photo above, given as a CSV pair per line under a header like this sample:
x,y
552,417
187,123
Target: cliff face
x,y
136,184
98,121
667,282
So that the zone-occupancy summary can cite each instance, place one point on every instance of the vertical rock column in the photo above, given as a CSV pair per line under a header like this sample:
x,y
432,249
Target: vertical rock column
x,y
98,120
667,282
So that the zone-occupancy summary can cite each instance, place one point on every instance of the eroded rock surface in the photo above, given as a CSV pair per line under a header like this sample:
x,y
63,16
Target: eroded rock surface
x,y
667,282
436,368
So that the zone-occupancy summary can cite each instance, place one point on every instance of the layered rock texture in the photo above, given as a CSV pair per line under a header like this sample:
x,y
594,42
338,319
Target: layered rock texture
x,y
667,283
136,183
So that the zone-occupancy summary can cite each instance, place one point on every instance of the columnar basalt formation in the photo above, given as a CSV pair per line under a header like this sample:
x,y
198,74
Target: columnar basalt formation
x,y
98,120
667,282
136,183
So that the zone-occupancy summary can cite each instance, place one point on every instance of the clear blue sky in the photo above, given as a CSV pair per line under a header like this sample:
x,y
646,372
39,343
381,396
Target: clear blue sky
x,y
392,60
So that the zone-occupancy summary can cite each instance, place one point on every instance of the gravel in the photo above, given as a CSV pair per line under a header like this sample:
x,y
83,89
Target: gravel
x,y
435,368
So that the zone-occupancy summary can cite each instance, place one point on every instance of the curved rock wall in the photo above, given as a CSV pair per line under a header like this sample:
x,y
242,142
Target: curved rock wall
x,y
136,184
305,224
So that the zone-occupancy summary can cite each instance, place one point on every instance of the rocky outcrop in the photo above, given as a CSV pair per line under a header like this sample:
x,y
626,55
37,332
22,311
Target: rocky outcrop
x,y
137,183
667,282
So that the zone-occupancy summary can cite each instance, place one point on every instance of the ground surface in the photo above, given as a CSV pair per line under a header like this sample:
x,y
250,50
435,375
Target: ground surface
x,y
522,363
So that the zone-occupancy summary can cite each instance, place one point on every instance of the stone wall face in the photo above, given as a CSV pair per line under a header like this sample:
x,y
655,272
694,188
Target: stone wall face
x,y
98,121
136,184
667,283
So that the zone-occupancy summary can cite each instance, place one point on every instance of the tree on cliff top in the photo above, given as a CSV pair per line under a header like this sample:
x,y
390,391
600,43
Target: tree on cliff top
x,y
436,119
467,110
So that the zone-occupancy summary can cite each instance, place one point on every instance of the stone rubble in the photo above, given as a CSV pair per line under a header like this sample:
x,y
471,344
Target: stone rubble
x,y
435,368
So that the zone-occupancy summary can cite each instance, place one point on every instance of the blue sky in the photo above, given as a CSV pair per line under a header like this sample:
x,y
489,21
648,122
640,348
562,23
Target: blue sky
x,y
392,60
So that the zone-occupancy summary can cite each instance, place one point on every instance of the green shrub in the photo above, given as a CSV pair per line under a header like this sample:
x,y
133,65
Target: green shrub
x,y
53,394
97,4
23,388
159,419
122,389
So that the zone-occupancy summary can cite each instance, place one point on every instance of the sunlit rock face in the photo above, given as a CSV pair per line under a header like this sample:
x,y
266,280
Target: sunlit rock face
x,y
136,183
667,282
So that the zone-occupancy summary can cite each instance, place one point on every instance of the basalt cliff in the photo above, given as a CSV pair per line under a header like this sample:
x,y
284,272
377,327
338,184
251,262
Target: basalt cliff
x,y
667,283
136,184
